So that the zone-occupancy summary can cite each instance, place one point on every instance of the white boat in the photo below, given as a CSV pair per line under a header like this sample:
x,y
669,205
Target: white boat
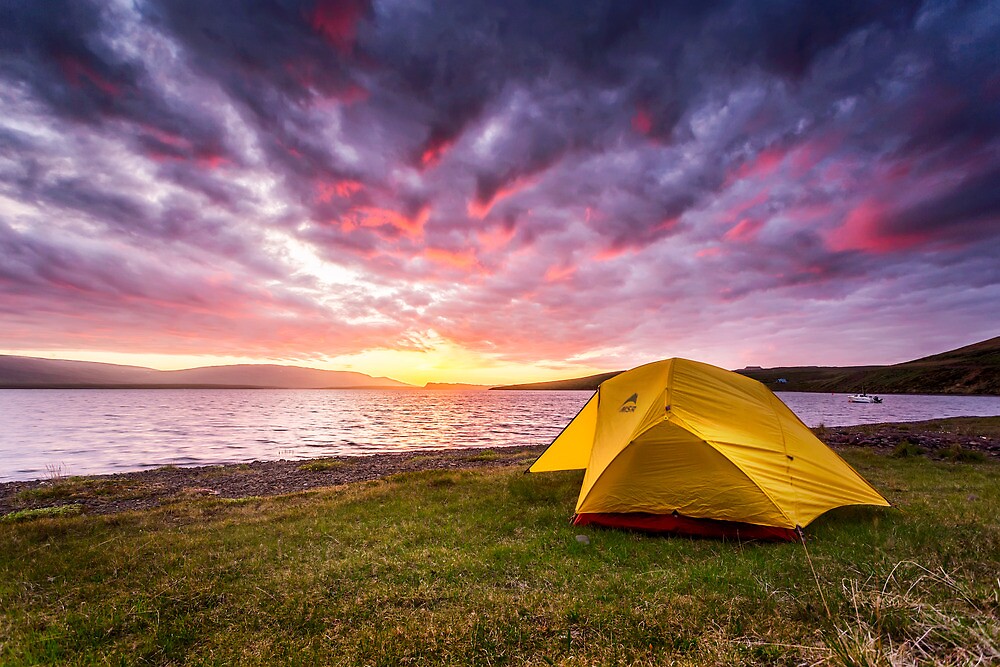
x,y
863,398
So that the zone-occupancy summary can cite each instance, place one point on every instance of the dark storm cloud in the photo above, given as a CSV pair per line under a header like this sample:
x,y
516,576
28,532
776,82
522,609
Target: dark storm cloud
x,y
65,53
966,213
273,59
292,45
446,65
787,37
58,48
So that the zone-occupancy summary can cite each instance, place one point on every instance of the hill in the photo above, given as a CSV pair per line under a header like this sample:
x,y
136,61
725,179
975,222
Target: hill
x,y
271,375
589,383
32,372
973,369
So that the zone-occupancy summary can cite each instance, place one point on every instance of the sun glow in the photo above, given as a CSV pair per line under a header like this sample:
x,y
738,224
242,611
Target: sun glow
x,y
445,361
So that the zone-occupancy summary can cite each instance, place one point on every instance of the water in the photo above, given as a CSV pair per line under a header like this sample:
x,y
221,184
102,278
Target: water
x,y
44,432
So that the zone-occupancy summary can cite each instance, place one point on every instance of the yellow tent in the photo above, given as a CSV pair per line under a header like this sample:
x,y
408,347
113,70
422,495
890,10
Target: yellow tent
x,y
683,446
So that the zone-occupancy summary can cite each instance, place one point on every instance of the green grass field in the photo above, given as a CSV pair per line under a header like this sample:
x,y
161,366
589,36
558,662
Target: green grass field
x,y
482,567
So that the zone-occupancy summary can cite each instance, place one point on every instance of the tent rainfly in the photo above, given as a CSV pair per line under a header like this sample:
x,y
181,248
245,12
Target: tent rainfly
x,y
682,446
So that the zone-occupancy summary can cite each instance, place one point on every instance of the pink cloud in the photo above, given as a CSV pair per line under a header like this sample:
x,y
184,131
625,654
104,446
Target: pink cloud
x,y
494,239
479,209
738,210
434,150
458,259
808,154
556,274
211,159
343,189
375,218
608,254
745,230
866,228
78,72
337,21
764,164
642,122
667,224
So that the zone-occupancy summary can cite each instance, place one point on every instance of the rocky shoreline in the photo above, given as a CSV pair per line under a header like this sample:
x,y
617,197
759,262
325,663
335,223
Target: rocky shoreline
x,y
889,438
108,494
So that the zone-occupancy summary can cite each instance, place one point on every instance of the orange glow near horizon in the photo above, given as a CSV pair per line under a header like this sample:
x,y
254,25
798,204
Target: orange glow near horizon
x,y
443,362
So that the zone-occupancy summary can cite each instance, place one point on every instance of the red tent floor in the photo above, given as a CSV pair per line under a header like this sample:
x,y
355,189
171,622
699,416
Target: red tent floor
x,y
675,523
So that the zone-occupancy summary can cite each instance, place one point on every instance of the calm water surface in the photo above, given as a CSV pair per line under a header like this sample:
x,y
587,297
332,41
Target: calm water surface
x,y
88,431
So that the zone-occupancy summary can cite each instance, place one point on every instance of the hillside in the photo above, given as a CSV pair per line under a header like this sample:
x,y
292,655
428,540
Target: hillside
x,y
973,369
588,383
271,375
31,372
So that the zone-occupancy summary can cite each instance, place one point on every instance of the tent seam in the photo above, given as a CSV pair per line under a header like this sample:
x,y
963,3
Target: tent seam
x,y
579,501
738,467
635,434
630,443
663,417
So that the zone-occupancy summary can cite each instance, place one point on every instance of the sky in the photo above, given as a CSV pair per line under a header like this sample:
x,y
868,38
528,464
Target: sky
x,y
473,191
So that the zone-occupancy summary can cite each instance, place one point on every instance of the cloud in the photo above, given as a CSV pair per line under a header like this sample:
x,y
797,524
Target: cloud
x,y
602,182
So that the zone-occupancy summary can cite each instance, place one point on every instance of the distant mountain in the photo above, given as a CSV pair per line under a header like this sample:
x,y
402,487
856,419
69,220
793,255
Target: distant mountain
x,y
456,386
31,372
270,375
973,369
589,383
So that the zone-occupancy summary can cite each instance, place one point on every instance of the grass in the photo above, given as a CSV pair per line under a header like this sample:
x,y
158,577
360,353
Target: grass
x,y
958,453
83,487
323,465
482,567
906,449
42,513
485,455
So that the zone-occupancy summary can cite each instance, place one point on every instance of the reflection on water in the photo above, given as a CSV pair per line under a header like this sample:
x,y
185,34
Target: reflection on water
x,y
87,431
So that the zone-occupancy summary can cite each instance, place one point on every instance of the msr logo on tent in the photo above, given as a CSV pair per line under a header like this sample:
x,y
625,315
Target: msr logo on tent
x,y
629,404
